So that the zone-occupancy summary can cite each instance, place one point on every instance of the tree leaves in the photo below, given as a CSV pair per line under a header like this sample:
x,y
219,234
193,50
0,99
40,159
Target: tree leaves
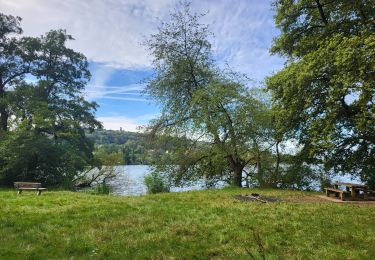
x,y
325,94
217,121
43,113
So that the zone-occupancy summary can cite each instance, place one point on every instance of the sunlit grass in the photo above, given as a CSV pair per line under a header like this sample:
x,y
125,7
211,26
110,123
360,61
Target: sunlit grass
x,y
200,224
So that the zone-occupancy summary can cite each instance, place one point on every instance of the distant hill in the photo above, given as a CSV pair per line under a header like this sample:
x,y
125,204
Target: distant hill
x,y
103,137
132,147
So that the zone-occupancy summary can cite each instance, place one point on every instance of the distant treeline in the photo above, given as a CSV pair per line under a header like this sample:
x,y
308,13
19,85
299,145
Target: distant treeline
x,y
129,148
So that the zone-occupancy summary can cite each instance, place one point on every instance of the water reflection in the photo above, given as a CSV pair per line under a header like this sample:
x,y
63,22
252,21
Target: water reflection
x,y
130,181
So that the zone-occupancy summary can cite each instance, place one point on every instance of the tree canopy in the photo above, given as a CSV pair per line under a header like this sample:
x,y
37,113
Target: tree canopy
x,y
325,94
43,114
222,126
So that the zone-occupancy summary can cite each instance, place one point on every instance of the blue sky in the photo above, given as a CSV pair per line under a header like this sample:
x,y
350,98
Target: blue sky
x,y
109,32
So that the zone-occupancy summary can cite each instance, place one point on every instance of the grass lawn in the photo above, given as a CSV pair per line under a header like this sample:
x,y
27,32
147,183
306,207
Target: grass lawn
x,y
199,224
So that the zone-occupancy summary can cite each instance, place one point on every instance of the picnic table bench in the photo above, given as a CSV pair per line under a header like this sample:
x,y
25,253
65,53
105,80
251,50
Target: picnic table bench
x,y
351,189
336,191
32,186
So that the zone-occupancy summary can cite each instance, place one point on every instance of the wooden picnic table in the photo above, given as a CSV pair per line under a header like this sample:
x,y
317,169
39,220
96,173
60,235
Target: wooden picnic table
x,y
353,188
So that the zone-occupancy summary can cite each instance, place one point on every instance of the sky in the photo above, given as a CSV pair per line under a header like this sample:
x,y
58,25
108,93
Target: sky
x,y
109,33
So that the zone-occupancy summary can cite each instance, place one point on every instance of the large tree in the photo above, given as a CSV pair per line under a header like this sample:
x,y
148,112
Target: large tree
x,y
220,127
325,94
11,64
43,113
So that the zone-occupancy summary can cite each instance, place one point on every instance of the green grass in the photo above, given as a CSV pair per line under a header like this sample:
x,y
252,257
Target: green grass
x,y
200,224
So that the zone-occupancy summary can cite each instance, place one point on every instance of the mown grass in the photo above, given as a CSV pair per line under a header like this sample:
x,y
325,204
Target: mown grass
x,y
199,224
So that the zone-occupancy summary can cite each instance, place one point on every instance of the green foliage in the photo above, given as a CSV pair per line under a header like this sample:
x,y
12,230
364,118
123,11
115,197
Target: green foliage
x,y
324,97
119,137
42,122
27,156
191,225
221,125
155,183
133,148
109,157
101,189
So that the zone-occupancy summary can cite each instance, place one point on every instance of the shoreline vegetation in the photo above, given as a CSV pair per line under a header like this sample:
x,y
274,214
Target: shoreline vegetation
x,y
195,224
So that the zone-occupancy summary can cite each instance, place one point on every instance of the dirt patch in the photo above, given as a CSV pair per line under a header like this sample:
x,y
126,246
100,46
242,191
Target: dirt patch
x,y
256,198
325,199
306,199
370,201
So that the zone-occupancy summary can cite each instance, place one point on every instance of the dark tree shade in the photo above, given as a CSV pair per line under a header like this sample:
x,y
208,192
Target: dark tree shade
x,y
325,95
43,121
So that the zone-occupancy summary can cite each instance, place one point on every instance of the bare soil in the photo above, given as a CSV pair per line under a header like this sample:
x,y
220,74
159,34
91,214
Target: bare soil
x,y
371,200
256,198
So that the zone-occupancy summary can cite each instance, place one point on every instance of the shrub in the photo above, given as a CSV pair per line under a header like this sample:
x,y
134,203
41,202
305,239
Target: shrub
x,y
155,183
101,189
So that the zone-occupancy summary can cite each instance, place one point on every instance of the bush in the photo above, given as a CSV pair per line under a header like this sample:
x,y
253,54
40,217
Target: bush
x,y
155,183
101,189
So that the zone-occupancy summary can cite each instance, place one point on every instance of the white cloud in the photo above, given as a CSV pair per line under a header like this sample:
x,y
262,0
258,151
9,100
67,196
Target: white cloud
x,y
128,124
105,30
110,31
117,122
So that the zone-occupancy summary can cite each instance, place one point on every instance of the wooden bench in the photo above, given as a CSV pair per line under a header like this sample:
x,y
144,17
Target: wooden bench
x,y
341,193
21,186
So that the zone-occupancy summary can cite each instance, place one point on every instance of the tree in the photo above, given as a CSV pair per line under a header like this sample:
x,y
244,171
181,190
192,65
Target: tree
x,y
98,174
325,94
220,127
43,120
11,65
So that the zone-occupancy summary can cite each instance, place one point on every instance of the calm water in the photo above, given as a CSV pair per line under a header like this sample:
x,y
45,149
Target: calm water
x,y
129,181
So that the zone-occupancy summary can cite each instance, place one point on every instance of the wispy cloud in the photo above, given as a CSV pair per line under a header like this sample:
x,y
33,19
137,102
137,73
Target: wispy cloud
x,y
103,91
125,98
110,31
243,35
98,87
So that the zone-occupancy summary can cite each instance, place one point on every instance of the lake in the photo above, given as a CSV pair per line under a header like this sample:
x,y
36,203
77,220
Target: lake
x,y
130,181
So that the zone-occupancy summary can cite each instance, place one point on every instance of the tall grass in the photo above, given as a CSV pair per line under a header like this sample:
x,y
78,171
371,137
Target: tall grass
x,y
186,225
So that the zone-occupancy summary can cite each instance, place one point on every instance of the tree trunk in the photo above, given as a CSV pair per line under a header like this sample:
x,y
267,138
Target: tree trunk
x,y
237,178
3,110
321,12
3,118
277,160
260,170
